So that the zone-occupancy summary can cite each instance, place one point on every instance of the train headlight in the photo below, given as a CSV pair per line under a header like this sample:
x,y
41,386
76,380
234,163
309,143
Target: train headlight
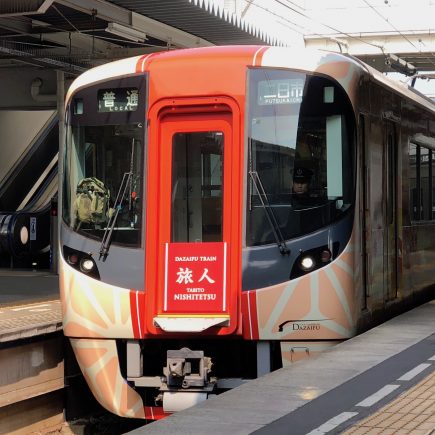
x,y
81,261
86,265
307,263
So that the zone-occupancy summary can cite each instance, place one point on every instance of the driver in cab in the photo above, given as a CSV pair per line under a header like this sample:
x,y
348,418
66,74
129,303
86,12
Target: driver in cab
x,y
302,197
301,181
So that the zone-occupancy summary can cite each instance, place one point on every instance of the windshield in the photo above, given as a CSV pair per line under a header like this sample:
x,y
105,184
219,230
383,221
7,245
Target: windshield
x,y
299,151
104,164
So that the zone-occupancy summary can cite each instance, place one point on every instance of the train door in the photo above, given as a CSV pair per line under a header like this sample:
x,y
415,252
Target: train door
x,y
193,220
364,210
391,246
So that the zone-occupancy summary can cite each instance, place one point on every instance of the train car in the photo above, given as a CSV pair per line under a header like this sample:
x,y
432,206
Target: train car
x,y
229,210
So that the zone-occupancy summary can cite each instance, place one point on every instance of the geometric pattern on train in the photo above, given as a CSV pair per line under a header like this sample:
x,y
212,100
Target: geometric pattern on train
x,y
92,308
98,360
317,305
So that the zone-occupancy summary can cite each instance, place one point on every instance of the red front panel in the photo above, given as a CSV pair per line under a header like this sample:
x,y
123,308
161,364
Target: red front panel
x,y
193,267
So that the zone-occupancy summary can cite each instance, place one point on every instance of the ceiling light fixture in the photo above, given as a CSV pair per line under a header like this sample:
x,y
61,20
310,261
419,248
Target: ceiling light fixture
x,y
126,32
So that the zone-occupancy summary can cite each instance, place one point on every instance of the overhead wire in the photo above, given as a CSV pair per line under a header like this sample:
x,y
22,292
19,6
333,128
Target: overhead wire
x,y
301,32
286,5
294,6
290,5
281,17
398,31
389,22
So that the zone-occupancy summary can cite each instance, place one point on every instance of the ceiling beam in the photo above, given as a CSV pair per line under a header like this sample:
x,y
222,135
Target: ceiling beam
x,y
375,43
385,51
45,62
13,8
21,25
81,41
112,13
76,40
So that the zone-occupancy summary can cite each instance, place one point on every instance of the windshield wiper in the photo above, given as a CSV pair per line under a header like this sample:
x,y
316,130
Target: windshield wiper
x,y
107,237
269,213
256,181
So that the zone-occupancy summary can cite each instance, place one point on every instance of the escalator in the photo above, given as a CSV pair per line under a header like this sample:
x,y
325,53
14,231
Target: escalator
x,y
27,194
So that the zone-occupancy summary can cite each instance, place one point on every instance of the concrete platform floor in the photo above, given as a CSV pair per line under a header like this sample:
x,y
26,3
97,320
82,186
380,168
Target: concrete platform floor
x,y
339,390
19,287
29,320
29,304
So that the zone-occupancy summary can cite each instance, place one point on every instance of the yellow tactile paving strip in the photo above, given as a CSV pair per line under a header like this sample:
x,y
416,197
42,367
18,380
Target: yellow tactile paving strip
x,y
412,413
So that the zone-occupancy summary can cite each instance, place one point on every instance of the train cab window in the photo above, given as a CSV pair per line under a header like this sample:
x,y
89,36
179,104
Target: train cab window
x,y
103,188
300,129
197,165
105,175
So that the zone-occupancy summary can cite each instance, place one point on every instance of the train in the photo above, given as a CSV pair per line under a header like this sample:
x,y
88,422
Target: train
x,y
189,262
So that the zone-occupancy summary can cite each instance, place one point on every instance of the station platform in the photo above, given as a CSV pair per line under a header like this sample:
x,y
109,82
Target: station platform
x,y
29,304
380,382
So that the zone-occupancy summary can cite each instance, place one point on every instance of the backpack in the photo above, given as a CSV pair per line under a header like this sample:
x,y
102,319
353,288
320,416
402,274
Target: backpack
x,y
92,200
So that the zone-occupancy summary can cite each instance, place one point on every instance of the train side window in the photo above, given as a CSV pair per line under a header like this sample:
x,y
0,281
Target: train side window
x,y
391,178
422,194
414,180
424,184
432,168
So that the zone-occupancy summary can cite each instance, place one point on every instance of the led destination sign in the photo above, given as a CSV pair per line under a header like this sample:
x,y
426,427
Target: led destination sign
x,y
285,91
118,100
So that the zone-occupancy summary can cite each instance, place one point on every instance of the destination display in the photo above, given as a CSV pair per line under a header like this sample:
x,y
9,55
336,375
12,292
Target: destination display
x,y
283,91
118,100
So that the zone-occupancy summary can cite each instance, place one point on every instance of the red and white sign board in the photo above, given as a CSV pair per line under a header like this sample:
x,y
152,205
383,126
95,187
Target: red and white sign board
x,y
195,278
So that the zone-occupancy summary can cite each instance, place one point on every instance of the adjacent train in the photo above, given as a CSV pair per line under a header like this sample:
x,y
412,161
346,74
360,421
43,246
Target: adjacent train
x,y
191,257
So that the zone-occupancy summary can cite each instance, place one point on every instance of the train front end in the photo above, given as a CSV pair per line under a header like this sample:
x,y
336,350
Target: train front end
x,y
189,263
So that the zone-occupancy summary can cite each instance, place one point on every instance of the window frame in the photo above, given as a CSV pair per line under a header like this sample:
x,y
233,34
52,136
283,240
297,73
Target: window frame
x,y
418,217
350,151
92,117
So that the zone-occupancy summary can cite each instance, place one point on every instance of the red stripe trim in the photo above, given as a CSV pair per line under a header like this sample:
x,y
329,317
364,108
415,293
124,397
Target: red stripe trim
x,y
137,304
245,317
140,65
249,315
254,315
258,56
154,412
133,312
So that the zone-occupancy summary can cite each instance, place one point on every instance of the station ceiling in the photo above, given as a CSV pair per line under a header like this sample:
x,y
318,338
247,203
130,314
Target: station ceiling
x,y
74,35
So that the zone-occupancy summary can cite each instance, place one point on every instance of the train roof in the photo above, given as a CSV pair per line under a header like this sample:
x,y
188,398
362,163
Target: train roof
x,y
401,88
284,57
327,62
